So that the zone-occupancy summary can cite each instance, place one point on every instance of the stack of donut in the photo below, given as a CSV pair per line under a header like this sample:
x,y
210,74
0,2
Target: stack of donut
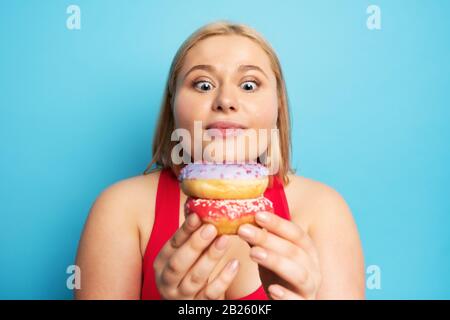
x,y
226,195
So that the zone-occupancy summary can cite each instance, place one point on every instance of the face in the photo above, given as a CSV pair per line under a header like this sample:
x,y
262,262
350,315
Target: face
x,y
226,83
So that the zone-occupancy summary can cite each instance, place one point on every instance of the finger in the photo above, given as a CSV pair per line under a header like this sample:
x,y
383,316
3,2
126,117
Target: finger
x,y
184,257
190,225
261,237
216,289
287,230
278,292
256,236
295,274
198,275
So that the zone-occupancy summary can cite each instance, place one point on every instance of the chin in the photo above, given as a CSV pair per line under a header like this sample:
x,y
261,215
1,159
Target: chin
x,y
230,156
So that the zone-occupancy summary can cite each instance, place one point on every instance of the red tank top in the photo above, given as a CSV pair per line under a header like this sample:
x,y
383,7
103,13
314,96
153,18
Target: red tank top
x,y
166,223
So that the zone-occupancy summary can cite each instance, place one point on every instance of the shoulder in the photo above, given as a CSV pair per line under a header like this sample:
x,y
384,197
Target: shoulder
x,y
113,229
313,188
128,193
125,206
128,189
313,200
324,213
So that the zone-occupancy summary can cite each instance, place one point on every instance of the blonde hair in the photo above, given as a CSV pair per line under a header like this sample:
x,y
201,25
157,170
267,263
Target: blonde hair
x,y
162,144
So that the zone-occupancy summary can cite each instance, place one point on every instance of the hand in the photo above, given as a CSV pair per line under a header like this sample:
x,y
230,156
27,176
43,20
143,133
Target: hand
x,y
287,258
185,263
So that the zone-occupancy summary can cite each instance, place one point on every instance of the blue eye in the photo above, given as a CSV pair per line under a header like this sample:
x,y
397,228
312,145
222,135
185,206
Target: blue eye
x,y
249,85
203,85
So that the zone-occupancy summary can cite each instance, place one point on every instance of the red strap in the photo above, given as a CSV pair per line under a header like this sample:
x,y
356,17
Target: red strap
x,y
164,226
258,294
278,197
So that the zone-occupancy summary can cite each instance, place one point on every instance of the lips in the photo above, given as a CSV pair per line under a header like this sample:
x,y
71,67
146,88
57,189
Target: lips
x,y
226,128
225,125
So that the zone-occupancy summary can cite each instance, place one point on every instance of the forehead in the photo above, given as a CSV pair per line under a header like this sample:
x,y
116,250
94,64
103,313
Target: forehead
x,y
226,52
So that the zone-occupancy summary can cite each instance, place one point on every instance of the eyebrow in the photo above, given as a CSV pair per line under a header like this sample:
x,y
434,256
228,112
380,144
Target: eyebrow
x,y
212,69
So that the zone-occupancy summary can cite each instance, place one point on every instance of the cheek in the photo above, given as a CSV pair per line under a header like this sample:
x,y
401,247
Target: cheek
x,y
266,112
180,111
181,116
187,109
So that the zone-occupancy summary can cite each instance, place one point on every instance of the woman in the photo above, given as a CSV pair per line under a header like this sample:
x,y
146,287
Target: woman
x,y
137,242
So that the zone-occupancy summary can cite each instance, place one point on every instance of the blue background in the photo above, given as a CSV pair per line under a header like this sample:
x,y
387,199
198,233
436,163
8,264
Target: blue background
x,y
370,111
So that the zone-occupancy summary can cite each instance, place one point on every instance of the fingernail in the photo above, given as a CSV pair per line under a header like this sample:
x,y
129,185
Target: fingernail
x,y
192,220
232,266
208,232
246,232
277,292
221,243
262,217
258,254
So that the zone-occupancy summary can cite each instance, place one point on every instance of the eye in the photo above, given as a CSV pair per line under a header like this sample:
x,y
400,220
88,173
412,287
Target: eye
x,y
203,85
249,85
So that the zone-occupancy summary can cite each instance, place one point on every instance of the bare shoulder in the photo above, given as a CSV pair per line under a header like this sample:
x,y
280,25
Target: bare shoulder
x,y
136,197
113,230
324,213
310,200
129,197
127,191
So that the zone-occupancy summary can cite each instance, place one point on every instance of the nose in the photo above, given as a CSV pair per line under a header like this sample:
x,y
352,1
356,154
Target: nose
x,y
225,100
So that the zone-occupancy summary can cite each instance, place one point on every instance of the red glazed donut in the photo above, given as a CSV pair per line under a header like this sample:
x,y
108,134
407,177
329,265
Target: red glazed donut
x,y
227,215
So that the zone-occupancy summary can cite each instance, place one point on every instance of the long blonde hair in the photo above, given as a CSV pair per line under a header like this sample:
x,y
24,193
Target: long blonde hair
x,y
162,144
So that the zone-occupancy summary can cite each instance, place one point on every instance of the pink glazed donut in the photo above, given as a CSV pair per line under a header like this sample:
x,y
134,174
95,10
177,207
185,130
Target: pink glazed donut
x,y
227,215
